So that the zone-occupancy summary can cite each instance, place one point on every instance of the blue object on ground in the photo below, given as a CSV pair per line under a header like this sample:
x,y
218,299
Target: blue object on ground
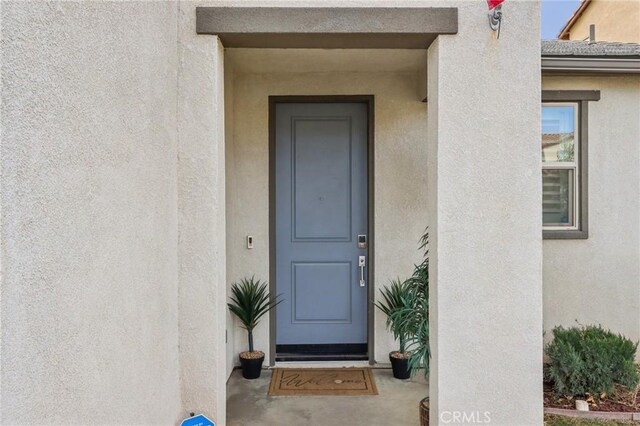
x,y
198,420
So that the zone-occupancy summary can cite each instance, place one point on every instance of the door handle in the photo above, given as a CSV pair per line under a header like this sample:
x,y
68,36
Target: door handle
x,y
362,261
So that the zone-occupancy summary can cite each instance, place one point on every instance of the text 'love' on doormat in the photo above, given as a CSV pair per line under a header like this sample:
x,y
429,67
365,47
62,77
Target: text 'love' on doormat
x,y
322,381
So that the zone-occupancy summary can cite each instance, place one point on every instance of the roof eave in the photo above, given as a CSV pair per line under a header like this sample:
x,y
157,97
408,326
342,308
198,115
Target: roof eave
x,y
590,65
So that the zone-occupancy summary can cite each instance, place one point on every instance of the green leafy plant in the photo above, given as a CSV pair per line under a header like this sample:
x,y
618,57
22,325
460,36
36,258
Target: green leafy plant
x,y
566,151
413,317
250,301
590,360
395,297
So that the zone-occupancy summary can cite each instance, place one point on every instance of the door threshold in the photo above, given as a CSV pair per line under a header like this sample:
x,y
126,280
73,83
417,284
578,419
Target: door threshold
x,y
323,364
296,357
322,352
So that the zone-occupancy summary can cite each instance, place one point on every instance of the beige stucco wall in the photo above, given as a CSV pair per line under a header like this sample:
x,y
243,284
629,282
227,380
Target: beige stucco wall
x,y
89,214
484,212
201,219
615,20
400,148
597,281
229,96
113,233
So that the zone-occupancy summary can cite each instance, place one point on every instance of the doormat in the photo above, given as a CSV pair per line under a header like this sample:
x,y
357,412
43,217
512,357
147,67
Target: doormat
x,y
322,381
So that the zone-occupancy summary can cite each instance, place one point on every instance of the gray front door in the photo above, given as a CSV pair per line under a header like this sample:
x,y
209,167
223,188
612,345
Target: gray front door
x,y
321,208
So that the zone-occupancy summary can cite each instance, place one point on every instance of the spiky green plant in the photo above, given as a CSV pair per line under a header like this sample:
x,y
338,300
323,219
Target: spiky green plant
x,y
394,297
413,317
250,300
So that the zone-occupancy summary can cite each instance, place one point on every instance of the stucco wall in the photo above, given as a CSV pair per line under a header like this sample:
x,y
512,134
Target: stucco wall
x,y
89,222
400,156
614,20
229,96
597,281
484,212
201,216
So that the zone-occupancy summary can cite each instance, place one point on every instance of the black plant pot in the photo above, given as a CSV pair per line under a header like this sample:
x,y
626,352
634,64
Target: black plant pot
x,y
400,367
251,367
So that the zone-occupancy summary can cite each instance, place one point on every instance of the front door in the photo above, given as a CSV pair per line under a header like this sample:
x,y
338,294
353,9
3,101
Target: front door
x,y
321,213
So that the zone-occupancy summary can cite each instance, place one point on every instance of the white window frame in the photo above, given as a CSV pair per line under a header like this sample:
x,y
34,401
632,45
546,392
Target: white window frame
x,y
574,166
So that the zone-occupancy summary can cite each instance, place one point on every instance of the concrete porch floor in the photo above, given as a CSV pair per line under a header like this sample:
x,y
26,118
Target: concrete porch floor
x,y
396,404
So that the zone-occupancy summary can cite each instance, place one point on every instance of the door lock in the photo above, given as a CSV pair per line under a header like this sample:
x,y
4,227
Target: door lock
x,y
362,241
362,262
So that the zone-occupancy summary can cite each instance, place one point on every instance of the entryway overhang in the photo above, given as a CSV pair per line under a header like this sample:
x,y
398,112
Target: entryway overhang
x,y
327,28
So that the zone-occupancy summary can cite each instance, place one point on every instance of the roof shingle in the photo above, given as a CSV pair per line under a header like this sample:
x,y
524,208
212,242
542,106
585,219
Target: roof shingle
x,y
578,48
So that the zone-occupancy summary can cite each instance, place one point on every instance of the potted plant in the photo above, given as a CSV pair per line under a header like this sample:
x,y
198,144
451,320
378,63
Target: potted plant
x,y
413,317
250,300
395,297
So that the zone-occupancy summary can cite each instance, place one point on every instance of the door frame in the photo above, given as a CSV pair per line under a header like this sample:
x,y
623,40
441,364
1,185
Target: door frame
x,y
369,101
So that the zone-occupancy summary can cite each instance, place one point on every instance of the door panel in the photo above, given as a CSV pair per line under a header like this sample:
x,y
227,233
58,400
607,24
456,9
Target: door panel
x,y
316,286
321,179
321,208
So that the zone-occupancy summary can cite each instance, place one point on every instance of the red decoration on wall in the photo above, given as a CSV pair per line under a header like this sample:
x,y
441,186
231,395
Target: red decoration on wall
x,y
493,3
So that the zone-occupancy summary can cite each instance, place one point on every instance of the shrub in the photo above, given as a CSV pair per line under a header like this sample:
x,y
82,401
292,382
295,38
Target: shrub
x,y
590,360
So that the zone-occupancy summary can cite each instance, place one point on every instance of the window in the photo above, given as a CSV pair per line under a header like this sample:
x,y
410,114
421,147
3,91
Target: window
x,y
564,163
560,185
